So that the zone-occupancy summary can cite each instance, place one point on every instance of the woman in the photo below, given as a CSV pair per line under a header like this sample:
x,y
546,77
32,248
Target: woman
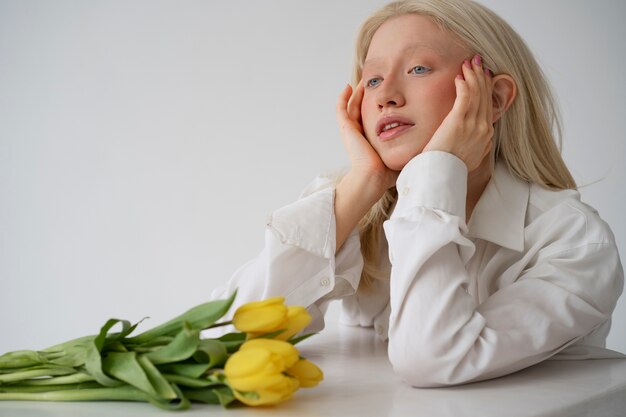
x,y
457,232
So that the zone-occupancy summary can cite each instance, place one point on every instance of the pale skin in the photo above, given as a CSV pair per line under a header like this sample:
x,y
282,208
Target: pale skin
x,y
416,71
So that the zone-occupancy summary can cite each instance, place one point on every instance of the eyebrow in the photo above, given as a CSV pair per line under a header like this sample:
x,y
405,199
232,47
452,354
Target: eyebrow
x,y
435,49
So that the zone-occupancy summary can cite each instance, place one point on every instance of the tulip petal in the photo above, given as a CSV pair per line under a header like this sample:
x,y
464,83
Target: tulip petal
x,y
254,369
244,363
297,319
285,350
307,373
278,393
261,316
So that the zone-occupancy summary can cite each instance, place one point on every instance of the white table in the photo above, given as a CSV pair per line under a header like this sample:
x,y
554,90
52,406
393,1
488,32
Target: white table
x,y
359,381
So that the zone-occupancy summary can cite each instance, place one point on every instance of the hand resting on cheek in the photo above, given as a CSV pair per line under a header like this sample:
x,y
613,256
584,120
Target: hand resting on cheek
x,y
467,131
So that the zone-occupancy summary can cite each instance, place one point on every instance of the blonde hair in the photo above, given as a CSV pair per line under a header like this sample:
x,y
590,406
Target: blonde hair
x,y
525,136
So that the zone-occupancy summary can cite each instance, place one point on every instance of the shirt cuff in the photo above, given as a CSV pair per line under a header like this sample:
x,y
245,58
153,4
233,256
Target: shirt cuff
x,y
308,223
433,179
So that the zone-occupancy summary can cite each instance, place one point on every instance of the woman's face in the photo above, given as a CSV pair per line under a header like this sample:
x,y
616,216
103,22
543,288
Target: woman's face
x,y
408,78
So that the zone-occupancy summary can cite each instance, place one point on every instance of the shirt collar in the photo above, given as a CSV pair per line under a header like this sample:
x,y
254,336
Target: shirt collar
x,y
500,214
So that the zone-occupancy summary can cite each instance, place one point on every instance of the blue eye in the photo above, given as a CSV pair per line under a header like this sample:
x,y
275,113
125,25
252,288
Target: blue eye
x,y
373,82
419,70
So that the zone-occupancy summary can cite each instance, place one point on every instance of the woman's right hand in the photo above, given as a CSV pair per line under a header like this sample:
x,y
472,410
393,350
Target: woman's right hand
x,y
368,178
365,161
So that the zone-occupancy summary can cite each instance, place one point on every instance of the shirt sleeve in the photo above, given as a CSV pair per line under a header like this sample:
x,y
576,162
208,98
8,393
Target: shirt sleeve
x,y
298,260
438,334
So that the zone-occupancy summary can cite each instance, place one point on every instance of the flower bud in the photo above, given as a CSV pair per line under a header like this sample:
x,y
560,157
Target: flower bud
x,y
277,393
285,350
306,372
297,319
255,372
261,317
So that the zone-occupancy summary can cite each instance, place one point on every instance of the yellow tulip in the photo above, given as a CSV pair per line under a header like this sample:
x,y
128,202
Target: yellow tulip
x,y
255,372
252,369
297,319
284,350
306,372
261,317
275,394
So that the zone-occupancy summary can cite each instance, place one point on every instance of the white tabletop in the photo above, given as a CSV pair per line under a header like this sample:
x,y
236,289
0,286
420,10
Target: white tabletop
x,y
359,381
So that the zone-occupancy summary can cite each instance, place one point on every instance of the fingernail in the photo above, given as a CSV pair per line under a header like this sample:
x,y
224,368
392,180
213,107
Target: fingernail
x,y
487,72
477,60
467,64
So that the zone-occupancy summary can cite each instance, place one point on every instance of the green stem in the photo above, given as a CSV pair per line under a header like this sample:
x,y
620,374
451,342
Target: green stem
x,y
19,376
61,380
226,323
21,388
92,394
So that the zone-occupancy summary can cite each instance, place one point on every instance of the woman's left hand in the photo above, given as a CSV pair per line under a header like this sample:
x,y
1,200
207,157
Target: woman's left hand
x,y
467,130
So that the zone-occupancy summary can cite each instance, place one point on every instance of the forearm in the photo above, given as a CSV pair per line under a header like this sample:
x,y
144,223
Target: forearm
x,y
354,196
526,304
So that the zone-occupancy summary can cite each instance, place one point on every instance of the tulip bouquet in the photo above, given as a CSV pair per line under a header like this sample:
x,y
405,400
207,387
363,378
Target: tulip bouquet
x,y
171,365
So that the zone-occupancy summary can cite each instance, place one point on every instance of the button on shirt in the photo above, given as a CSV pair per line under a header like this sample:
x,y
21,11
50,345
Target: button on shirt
x,y
534,274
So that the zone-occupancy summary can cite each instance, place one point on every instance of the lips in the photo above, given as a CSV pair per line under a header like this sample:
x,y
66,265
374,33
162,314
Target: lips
x,y
392,123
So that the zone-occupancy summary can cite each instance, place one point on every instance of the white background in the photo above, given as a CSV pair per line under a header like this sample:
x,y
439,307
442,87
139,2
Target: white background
x,y
143,143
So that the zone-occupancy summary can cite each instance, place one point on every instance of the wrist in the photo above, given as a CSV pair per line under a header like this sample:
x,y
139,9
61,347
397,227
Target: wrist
x,y
368,186
355,194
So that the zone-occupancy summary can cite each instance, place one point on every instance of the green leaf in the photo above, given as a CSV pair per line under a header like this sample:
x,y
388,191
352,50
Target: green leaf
x,y
190,382
182,347
270,335
104,332
191,370
73,356
225,395
160,384
35,372
159,341
199,317
62,347
125,367
153,343
114,346
93,392
107,366
47,388
232,337
93,360
93,366
232,341
180,403
212,352
21,359
222,395
299,339
249,394
75,378
123,393
206,395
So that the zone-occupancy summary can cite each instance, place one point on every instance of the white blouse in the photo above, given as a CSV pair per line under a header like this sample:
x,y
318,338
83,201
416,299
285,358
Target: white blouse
x,y
535,274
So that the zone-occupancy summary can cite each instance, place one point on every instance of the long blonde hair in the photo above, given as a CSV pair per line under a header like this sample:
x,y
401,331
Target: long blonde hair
x,y
525,136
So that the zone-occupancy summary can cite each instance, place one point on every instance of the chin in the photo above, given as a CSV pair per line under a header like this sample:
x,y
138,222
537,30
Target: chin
x,y
398,161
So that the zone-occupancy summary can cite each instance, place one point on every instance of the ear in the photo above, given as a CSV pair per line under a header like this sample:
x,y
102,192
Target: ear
x,y
504,92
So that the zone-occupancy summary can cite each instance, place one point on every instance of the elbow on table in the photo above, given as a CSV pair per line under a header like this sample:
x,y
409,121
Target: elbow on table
x,y
426,369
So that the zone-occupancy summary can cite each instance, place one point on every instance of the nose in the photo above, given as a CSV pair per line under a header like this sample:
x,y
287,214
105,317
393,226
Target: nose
x,y
389,94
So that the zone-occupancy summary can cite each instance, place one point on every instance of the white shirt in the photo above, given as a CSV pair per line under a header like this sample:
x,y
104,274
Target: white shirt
x,y
535,273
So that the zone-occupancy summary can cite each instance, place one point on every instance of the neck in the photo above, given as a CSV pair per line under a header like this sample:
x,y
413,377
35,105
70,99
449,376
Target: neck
x,y
477,181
